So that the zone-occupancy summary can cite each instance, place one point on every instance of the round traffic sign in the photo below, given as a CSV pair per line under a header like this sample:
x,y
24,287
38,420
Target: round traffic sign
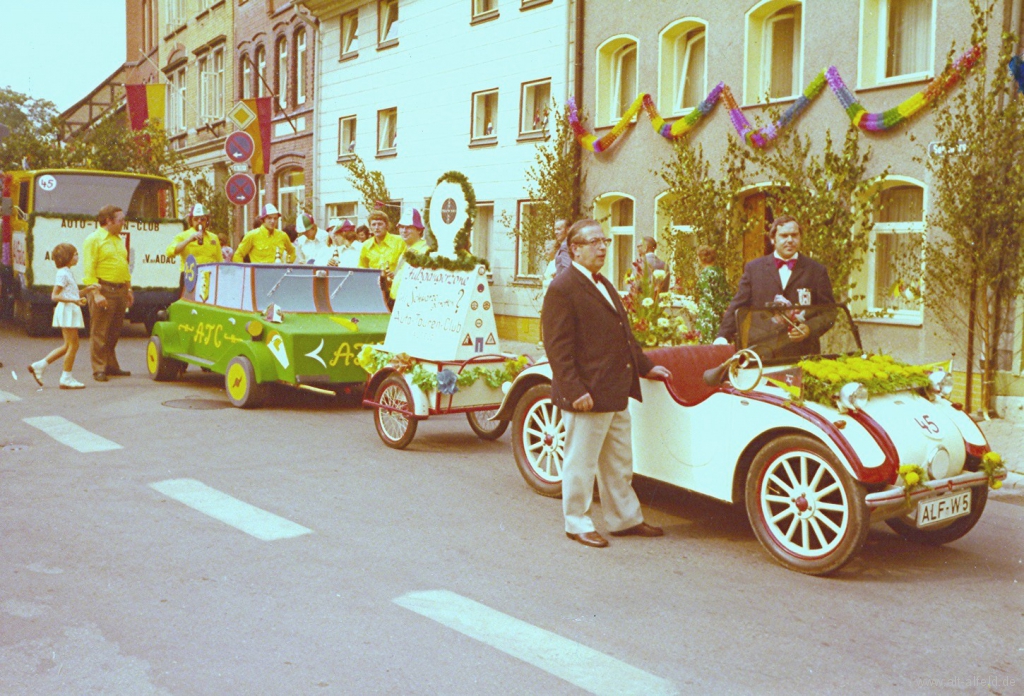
x,y
239,146
240,188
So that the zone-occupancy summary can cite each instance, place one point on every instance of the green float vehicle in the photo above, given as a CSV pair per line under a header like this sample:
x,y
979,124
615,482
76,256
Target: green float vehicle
x,y
259,324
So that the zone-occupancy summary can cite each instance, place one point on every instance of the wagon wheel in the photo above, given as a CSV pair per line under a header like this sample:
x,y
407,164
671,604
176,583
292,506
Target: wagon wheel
x,y
942,532
395,429
484,427
538,440
159,366
241,385
806,510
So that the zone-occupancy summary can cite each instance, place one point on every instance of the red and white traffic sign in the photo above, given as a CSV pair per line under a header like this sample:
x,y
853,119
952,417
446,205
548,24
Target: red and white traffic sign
x,y
239,146
240,188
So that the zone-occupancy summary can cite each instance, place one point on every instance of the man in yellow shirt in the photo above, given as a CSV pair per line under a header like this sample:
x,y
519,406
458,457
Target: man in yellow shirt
x,y
105,262
410,227
262,244
383,249
197,240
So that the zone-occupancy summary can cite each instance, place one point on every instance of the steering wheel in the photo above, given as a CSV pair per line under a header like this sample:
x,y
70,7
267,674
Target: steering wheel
x,y
739,365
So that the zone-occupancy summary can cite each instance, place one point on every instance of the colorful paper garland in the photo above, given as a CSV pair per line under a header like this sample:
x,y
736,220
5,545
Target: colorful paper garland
x,y
762,137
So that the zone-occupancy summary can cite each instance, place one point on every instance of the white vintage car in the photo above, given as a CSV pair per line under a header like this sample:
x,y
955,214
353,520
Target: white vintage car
x,y
812,477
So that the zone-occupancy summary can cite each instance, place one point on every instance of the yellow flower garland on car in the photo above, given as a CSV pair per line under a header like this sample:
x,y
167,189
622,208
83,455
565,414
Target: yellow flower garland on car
x,y
880,374
992,465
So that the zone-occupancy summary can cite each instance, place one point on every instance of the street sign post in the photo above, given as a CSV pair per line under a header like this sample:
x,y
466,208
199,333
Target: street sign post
x,y
239,147
240,189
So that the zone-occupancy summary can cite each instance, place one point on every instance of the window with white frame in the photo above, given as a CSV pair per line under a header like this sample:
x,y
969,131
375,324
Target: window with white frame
x,y
149,24
485,115
616,78
261,72
483,8
895,274
682,79
261,192
343,211
346,136
535,103
349,33
301,61
217,85
246,77
387,131
282,73
774,55
622,230
897,40
482,226
175,15
291,194
176,106
204,88
387,21
530,261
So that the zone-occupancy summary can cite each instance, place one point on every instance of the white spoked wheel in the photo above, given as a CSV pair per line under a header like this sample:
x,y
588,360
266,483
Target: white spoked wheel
x,y
805,508
538,440
395,428
484,427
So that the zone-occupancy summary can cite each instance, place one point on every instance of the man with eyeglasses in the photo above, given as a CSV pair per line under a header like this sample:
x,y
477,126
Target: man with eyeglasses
x,y
596,365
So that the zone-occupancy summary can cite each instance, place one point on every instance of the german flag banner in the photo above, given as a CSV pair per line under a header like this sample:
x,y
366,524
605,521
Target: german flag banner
x,y
145,103
259,129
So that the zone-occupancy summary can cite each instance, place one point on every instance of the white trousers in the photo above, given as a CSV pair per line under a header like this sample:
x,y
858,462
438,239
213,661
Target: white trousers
x,y
599,445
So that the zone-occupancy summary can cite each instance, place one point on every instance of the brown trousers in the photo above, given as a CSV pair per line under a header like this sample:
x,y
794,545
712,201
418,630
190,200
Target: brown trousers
x,y
105,326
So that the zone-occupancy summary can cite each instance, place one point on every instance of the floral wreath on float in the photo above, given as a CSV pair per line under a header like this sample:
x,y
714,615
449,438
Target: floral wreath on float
x,y
449,218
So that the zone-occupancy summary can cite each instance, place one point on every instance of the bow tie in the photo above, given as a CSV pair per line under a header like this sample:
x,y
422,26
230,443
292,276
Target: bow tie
x,y
597,277
779,263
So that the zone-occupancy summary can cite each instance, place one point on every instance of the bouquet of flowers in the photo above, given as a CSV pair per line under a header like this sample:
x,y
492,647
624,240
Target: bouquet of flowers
x,y
658,318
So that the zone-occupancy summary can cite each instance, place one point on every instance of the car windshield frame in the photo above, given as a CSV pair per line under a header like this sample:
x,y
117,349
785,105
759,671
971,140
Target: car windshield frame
x,y
764,330
317,289
83,193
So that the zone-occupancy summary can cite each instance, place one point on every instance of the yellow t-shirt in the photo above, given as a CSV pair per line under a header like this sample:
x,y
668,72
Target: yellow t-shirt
x,y
419,247
207,252
105,257
383,256
261,246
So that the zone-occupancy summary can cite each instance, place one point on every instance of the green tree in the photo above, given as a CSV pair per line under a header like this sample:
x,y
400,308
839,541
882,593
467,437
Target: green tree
x,y
974,262
110,145
371,186
198,189
33,131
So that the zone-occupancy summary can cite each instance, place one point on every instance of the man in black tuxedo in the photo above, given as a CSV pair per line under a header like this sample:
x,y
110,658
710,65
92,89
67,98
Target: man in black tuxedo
x,y
784,277
596,365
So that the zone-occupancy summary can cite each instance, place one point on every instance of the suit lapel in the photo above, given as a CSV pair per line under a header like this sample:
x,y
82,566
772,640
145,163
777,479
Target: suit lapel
x,y
590,288
773,273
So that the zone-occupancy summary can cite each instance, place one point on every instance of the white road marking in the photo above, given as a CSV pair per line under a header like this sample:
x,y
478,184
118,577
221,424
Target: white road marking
x,y
577,664
72,435
248,518
6,397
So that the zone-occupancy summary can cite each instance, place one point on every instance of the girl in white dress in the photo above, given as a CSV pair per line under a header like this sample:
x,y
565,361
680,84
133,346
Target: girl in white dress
x,y
67,316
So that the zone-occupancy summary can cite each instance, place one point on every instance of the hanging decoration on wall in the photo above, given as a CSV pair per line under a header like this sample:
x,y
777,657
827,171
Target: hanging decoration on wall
x,y
762,137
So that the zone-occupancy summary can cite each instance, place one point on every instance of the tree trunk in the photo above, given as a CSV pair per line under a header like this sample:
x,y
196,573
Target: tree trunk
x,y
971,319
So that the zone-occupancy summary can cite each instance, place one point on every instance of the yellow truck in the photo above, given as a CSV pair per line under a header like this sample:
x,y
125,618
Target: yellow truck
x,y
45,207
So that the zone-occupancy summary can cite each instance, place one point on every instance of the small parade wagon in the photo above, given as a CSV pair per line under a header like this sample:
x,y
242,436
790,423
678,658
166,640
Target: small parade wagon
x,y
816,448
258,324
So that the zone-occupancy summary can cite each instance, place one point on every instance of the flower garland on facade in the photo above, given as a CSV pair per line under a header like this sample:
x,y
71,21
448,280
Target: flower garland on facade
x,y
650,317
880,374
464,259
374,358
762,137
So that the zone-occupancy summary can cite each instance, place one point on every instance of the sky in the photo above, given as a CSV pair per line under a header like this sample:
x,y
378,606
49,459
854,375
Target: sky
x,y
60,49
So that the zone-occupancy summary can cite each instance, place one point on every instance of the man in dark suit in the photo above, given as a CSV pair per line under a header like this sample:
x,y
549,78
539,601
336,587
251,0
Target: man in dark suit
x,y
784,277
596,365
650,262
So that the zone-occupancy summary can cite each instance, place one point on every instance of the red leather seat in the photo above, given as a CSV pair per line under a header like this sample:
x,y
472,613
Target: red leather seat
x,y
687,365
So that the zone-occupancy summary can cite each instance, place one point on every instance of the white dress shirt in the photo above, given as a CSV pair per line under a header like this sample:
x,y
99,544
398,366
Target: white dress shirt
x,y
590,276
315,248
784,271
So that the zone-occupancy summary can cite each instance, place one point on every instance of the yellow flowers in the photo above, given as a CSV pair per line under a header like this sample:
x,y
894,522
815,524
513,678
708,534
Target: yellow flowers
x,y
912,479
992,465
913,476
880,374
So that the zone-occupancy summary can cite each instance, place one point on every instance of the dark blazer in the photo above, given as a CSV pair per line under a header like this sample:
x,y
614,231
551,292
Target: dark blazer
x,y
759,286
590,345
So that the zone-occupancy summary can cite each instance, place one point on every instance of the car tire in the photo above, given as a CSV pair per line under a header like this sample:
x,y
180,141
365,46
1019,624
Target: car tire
x,y
160,367
38,320
805,508
538,440
395,429
941,533
240,383
484,427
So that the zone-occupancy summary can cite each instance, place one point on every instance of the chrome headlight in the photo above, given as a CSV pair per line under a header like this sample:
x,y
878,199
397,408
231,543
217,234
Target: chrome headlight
x,y
941,382
853,397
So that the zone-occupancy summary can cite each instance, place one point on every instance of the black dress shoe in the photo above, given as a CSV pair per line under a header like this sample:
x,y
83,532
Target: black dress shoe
x,y
589,539
118,373
99,376
643,529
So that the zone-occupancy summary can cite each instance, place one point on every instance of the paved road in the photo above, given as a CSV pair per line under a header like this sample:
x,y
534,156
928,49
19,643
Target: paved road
x,y
355,569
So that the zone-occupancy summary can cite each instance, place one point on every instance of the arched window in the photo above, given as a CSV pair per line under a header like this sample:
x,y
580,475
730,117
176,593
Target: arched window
x,y
616,210
247,77
682,79
282,73
895,268
774,52
301,61
261,72
616,78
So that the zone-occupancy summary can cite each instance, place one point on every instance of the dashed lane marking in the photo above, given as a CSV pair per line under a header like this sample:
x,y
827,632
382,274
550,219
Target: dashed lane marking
x,y
250,519
71,434
577,664
7,397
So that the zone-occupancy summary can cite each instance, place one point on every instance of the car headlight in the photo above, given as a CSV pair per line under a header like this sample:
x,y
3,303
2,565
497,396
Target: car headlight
x,y
853,397
941,382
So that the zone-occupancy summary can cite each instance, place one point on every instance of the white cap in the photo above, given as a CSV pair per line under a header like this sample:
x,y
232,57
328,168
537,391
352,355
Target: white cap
x,y
303,222
198,210
269,209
